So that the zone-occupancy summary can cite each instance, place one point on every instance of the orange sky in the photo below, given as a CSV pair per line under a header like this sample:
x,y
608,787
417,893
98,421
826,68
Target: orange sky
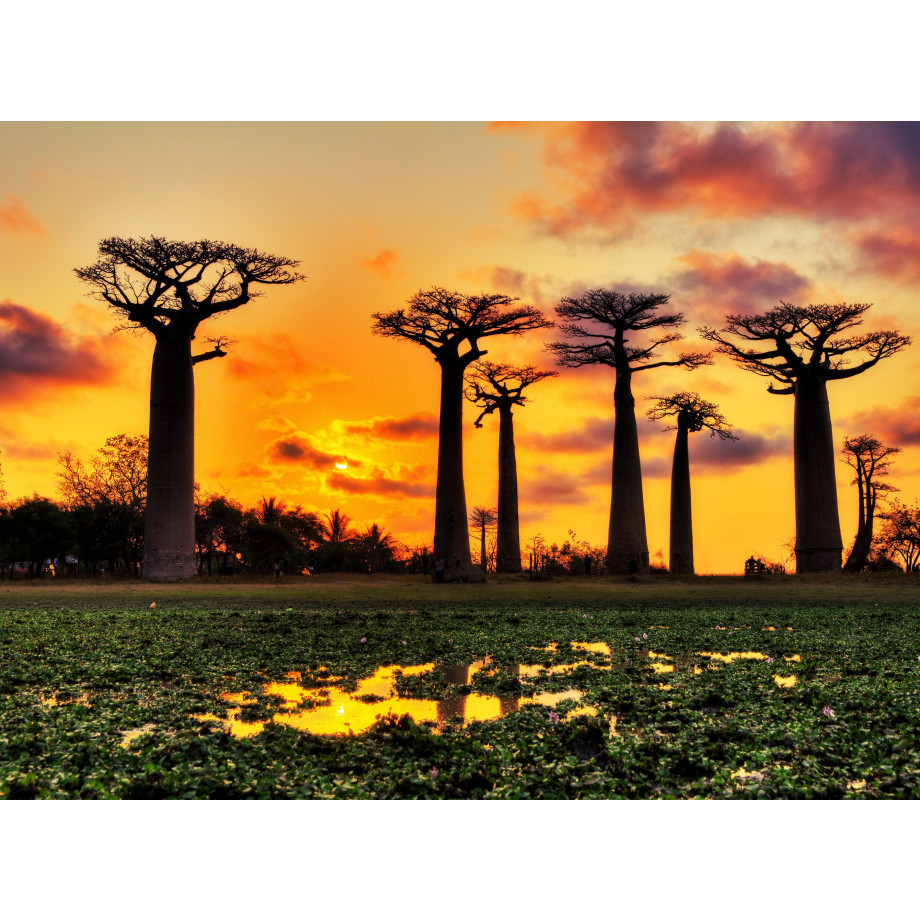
x,y
725,218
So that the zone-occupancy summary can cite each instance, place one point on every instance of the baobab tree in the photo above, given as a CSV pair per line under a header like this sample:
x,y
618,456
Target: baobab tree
x,y
599,324
481,520
499,387
869,459
445,323
690,413
801,349
169,288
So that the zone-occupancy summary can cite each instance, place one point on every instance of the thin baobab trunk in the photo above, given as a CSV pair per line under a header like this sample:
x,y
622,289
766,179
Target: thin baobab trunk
x,y
818,544
681,561
508,548
627,542
169,532
451,533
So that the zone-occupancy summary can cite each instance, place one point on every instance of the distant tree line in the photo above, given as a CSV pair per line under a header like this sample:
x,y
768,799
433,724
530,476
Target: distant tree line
x,y
98,525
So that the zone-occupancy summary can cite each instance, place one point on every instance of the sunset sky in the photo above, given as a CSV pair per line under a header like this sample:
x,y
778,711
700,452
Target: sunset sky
x,y
724,217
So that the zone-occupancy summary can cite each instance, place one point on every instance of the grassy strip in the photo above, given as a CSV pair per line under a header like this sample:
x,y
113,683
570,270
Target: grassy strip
x,y
115,665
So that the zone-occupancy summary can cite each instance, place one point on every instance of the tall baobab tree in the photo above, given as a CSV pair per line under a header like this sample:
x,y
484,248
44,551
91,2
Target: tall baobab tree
x,y
169,288
499,387
801,349
870,460
481,520
599,324
445,323
690,413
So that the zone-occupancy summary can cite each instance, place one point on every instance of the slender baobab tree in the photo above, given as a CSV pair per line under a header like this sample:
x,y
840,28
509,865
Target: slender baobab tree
x,y
445,323
690,413
169,288
801,349
870,460
499,387
481,520
599,324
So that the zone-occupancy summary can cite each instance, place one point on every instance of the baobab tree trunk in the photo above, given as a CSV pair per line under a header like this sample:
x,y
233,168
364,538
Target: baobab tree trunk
x,y
508,549
169,532
626,539
862,545
818,544
681,561
451,533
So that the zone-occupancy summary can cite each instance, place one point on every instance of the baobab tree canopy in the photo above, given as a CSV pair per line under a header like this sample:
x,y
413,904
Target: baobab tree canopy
x,y
450,325
499,387
169,288
154,283
690,412
800,349
597,325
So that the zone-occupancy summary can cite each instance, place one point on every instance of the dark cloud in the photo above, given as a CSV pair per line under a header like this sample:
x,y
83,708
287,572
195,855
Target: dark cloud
x,y
36,351
379,483
714,454
588,436
297,448
606,173
711,285
550,486
894,426
412,427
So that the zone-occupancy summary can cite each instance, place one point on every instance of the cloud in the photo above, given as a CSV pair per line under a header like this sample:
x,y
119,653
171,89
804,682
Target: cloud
x,y
547,485
894,426
37,352
604,174
16,219
385,264
297,447
408,483
584,437
716,284
422,425
714,454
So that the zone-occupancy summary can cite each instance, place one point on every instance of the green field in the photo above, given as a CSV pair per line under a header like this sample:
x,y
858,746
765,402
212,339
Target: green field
x,y
715,687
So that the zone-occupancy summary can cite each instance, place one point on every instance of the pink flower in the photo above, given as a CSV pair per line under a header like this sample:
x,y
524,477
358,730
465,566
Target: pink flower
x,y
829,712
404,641
434,772
645,635
364,640
554,717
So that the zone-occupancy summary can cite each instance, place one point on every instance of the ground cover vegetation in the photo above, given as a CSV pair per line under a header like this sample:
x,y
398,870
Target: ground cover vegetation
x,y
712,688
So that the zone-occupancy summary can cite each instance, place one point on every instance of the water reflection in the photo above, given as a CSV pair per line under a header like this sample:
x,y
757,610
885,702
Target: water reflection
x,y
332,711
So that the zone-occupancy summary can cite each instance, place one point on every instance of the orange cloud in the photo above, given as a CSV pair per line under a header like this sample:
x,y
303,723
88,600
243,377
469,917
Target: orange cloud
x,y
422,425
36,351
15,218
297,447
895,426
408,483
605,173
716,284
385,264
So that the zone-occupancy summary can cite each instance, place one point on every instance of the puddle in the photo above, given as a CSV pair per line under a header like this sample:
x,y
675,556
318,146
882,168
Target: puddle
x,y
314,703
335,712
51,700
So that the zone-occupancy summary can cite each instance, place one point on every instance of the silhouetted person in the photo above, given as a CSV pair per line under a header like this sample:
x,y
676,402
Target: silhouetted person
x,y
439,570
633,566
277,570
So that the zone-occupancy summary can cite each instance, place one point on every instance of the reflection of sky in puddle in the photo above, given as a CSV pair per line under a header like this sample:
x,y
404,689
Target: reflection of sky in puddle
x,y
335,712
315,704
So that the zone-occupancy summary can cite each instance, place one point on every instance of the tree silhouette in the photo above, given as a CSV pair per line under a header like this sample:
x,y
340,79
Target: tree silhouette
x,y
900,534
499,387
690,413
168,289
801,349
869,459
482,519
598,323
446,322
108,499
